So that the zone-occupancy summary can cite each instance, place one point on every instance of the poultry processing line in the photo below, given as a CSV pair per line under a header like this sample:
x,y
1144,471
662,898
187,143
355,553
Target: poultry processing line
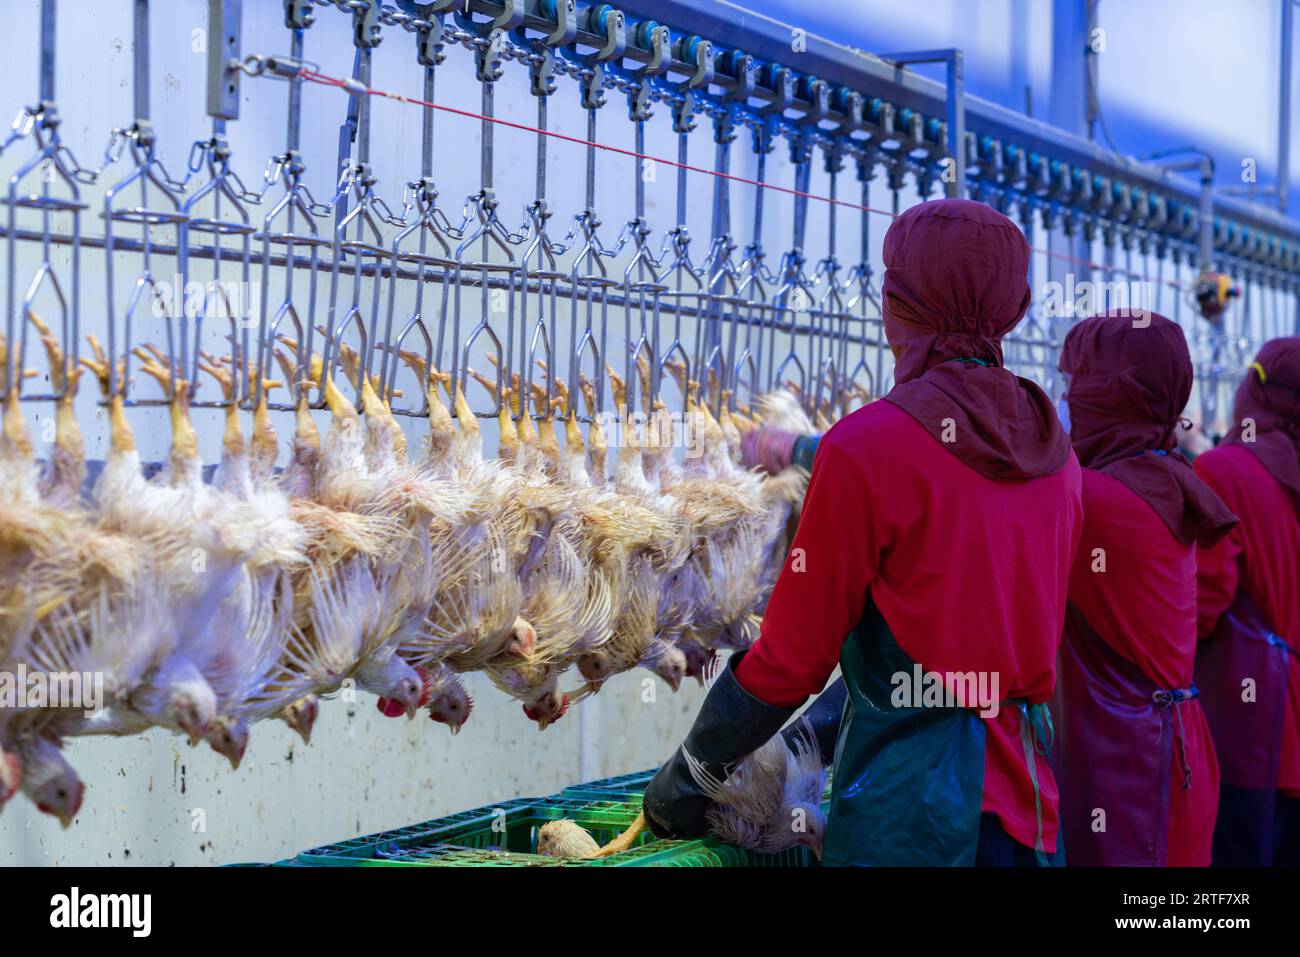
x,y
391,555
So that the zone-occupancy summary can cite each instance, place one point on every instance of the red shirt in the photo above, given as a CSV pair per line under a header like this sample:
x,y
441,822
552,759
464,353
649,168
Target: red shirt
x,y
1261,555
1144,607
970,574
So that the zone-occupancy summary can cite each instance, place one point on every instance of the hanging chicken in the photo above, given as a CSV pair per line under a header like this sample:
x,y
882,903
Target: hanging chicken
x,y
209,606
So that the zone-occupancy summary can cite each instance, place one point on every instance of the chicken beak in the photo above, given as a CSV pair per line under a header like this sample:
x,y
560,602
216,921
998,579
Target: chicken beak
x,y
70,813
524,642
543,723
11,776
302,718
412,708
455,727
817,851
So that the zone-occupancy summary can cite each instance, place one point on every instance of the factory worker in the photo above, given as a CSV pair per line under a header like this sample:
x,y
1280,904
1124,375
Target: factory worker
x,y
1248,665
1133,759
931,564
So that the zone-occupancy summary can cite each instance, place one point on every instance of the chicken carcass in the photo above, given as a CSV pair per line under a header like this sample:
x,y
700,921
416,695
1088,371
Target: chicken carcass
x,y
450,557
357,540
546,557
771,802
566,840
73,605
255,619
478,615
94,654
636,640
199,540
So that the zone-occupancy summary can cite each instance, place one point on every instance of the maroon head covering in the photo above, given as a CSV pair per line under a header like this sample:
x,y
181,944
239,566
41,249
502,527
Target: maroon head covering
x,y
1129,382
1269,397
955,284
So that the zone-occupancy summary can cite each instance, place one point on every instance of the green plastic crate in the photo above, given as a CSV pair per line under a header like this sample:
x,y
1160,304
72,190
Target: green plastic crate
x,y
455,855
630,784
651,853
504,834
603,819
621,786
709,852
347,853
513,841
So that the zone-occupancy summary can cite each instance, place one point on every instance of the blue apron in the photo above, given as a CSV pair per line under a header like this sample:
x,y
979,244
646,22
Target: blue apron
x,y
908,786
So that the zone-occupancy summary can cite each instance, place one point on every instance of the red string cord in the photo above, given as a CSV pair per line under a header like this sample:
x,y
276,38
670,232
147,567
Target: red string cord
x,y
323,79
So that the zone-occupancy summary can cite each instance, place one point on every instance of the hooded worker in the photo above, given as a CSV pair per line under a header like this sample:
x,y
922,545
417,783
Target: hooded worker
x,y
1248,665
931,564
1134,760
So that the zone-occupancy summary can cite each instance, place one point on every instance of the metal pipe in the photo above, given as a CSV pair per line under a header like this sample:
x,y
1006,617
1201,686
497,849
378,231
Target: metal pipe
x,y
141,60
1284,109
955,111
1204,165
769,40
1091,109
957,123
49,9
1206,252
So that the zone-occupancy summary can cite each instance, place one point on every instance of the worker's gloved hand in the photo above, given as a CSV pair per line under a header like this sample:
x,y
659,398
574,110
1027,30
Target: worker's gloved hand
x,y
731,725
820,720
767,448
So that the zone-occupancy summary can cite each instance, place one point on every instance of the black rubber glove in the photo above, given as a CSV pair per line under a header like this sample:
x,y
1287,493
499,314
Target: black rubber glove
x,y
804,451
730,726
823,718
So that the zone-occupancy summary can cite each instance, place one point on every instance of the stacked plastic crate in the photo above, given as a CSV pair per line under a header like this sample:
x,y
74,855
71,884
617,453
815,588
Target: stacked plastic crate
x,y
505,835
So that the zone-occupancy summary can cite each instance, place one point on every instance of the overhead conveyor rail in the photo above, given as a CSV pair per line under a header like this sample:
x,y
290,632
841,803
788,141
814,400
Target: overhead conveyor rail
x,y
1006,149
362,270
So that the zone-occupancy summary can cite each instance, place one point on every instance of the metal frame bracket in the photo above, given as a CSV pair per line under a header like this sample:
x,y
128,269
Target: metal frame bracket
x,y
956,89
224,33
